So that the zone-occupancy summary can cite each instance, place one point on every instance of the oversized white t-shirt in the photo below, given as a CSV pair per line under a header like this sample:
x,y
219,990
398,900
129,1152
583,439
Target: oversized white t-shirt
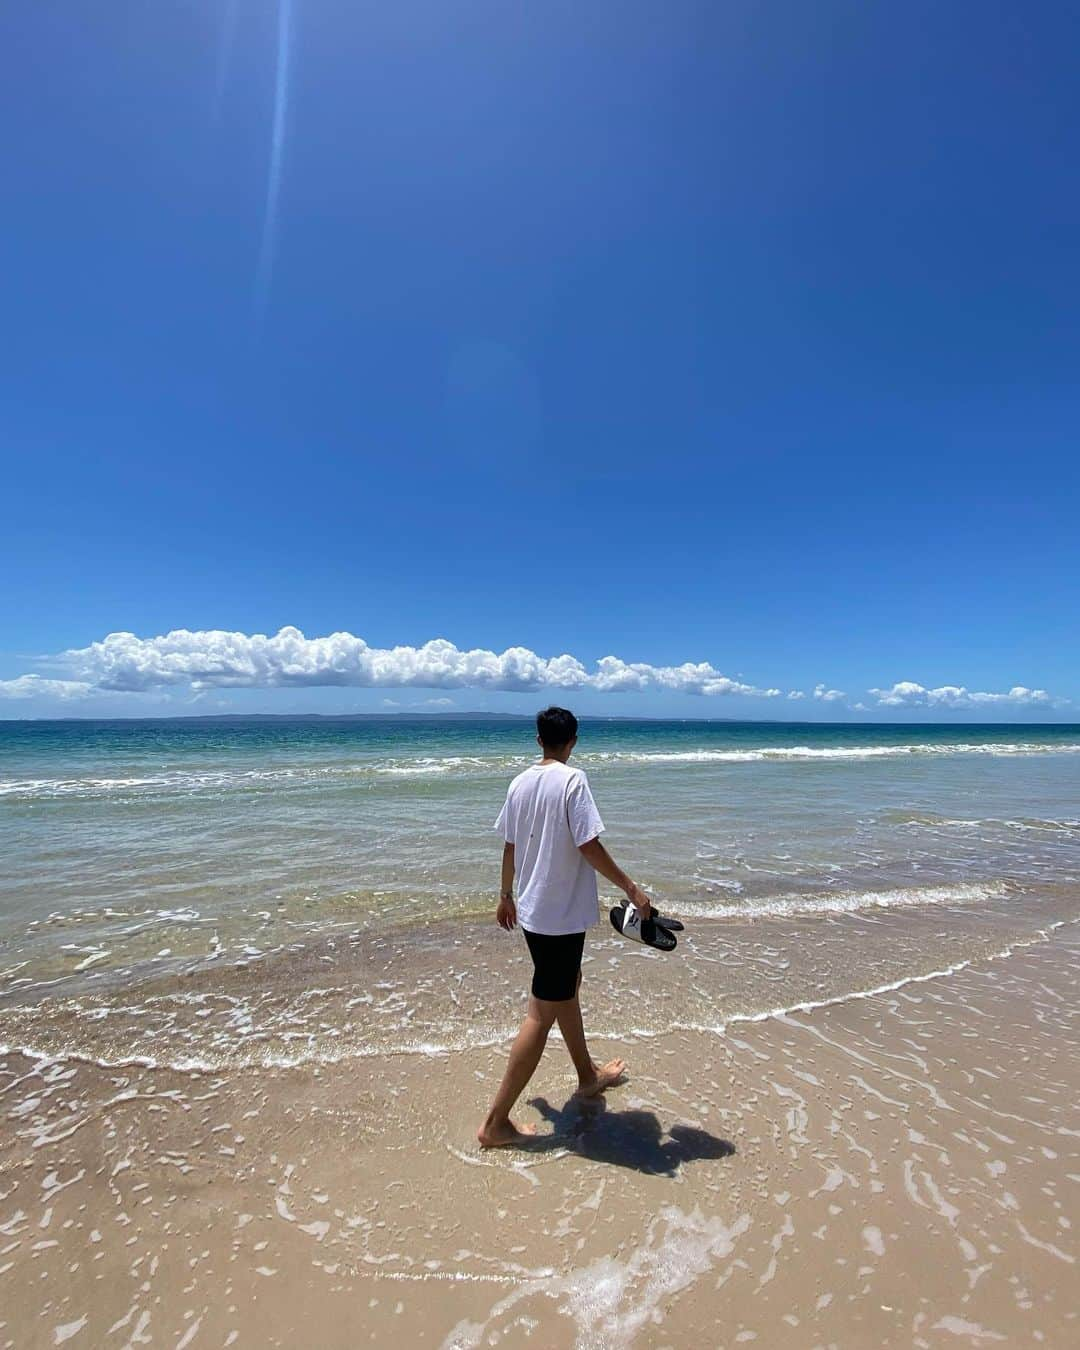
x,y
549,811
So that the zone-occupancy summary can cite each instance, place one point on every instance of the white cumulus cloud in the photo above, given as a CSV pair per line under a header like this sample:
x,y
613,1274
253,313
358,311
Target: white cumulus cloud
x,y
216,659
200,661
36,686
907,694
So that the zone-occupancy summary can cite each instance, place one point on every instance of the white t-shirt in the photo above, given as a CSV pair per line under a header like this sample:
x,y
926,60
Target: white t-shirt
x,y
548,812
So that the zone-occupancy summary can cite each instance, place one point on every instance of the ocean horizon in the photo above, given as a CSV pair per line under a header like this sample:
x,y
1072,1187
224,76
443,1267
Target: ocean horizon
x,y
417,715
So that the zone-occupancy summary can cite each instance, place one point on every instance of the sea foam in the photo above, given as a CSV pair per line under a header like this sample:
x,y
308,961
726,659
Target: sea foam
x,y
184,782
848,902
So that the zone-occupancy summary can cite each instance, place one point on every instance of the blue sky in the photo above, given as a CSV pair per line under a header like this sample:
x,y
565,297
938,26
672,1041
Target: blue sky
x,y
732,334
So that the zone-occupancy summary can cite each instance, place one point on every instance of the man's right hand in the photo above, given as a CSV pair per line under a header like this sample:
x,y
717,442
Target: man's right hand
x,y
639,900
506,914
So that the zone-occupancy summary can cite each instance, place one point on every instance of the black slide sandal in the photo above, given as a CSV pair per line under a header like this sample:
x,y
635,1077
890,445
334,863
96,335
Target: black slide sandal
x,y
626,920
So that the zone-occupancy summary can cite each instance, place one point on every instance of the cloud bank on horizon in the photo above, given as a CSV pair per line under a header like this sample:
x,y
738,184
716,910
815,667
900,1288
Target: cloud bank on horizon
x,y
906,694
215,659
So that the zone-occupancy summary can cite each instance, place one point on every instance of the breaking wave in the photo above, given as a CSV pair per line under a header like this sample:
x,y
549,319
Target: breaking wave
x,y
796,753
187,781
848,902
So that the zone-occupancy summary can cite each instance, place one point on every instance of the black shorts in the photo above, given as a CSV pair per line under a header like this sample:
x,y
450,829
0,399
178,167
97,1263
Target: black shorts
x,y
556,964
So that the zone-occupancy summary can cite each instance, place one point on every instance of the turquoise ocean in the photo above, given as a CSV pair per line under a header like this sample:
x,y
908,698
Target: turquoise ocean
x,y
157,859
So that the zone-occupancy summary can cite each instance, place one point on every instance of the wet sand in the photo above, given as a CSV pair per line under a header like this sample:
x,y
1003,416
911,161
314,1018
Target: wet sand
x,y
901,1169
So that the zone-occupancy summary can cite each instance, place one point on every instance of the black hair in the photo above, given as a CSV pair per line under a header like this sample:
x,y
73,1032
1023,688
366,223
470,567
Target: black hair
x,y
556,727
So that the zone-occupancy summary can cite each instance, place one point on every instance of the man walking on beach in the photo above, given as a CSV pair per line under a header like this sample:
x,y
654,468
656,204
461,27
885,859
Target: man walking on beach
x,y
551,827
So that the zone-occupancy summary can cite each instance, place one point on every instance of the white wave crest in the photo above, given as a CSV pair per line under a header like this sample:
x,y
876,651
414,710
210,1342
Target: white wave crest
x,y
185,781
795,753
848,902
1049,825
181,781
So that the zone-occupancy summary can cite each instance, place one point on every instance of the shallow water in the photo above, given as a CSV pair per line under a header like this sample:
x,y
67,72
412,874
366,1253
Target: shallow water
x,y
155,860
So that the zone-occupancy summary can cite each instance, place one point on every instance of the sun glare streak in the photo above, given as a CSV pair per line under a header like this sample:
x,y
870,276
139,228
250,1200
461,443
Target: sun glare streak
x,y
277,142
229,22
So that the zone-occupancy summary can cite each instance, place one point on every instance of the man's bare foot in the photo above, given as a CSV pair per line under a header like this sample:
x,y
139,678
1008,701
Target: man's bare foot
x,y
499,1135
604,1076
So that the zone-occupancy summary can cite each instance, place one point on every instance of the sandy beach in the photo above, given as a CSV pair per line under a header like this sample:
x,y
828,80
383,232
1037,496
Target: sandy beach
x,y
895,1169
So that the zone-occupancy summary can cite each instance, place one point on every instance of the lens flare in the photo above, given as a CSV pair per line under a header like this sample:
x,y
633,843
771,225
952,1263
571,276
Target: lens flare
x,y
277,143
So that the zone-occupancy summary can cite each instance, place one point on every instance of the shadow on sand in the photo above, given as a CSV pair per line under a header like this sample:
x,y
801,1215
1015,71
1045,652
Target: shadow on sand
x,y
633,1139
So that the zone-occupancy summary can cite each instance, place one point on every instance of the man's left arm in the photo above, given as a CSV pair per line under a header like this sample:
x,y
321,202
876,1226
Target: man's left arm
x,y
506,914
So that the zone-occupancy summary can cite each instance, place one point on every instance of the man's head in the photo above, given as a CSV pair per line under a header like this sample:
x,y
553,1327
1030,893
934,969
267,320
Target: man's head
x,y
556,731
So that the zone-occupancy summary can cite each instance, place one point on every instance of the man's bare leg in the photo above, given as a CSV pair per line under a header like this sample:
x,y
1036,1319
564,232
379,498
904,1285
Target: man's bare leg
x,y
498,1129
592,1077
